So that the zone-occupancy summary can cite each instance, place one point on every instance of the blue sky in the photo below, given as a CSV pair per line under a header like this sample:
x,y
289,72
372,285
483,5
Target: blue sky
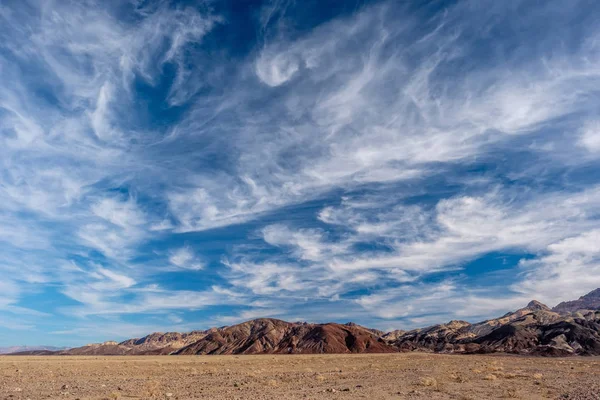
x,y
177,165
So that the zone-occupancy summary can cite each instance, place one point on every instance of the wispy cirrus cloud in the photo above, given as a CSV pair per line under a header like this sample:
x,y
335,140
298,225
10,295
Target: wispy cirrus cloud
x,y
185,258
387,110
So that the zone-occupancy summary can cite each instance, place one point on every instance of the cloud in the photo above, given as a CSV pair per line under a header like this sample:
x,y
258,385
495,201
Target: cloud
x,y
558,228
10,292
185,258
368,100
567,266
275,70
120,225
307,244
425,304
124,214
590,137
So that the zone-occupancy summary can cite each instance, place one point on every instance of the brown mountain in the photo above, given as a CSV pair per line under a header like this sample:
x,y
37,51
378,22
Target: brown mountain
x,y
590,301
273,336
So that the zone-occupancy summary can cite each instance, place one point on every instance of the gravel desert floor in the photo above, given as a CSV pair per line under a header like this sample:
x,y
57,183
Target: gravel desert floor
x,y
382,376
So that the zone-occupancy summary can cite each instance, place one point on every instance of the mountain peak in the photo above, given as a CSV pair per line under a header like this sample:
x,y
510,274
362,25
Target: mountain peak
x,y
590,301
535,305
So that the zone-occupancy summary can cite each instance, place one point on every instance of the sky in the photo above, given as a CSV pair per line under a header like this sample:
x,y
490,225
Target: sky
x,y
178,165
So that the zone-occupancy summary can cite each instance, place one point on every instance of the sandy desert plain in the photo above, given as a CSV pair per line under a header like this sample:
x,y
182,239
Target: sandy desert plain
x,y
334,376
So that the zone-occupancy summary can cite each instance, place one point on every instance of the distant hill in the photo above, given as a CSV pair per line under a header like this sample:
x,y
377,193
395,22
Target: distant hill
x,y
16,349
571,328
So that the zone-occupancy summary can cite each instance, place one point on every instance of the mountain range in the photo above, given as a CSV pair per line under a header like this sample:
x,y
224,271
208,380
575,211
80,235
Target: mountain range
x,y
570,328
18,349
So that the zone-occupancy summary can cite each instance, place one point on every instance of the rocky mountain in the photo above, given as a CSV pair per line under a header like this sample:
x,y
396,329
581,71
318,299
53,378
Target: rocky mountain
x,y
392,335
157,343
533,335
273,336
590,301
534,329
571,328
260,336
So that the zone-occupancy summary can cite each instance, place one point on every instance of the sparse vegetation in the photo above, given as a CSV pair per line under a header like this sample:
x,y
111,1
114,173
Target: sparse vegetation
x,y
319,377
428,381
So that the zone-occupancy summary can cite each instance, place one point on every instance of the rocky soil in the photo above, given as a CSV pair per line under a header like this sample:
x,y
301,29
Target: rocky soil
x,y
345,376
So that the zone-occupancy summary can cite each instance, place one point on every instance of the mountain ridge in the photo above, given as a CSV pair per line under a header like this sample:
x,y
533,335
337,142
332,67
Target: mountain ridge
x,y
15,349
590,301
535,329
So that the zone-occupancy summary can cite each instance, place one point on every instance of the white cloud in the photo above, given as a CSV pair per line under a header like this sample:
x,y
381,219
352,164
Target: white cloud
x,y
306,244
185,258
464,227
124,214
559,228
421,304
9,293
590,136
119,279
275,70
120,226
372,100
567,267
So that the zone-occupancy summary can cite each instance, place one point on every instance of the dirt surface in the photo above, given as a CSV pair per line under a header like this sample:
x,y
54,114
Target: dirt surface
x,y
364,376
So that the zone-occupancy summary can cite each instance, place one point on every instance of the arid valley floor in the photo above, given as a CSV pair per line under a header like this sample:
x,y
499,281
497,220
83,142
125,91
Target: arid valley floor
x,y
385,376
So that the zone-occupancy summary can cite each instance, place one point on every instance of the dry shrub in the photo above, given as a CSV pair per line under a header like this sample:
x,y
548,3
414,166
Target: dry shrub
x,y
537,376
320,378
272,382
510,393
490,377
428,381
458,378
152,389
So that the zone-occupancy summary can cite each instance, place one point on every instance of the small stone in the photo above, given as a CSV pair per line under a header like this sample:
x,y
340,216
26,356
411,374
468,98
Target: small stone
x,y
64,387
169,394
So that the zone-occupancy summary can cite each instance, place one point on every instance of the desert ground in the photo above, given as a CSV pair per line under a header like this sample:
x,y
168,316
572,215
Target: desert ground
x,y
364,376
